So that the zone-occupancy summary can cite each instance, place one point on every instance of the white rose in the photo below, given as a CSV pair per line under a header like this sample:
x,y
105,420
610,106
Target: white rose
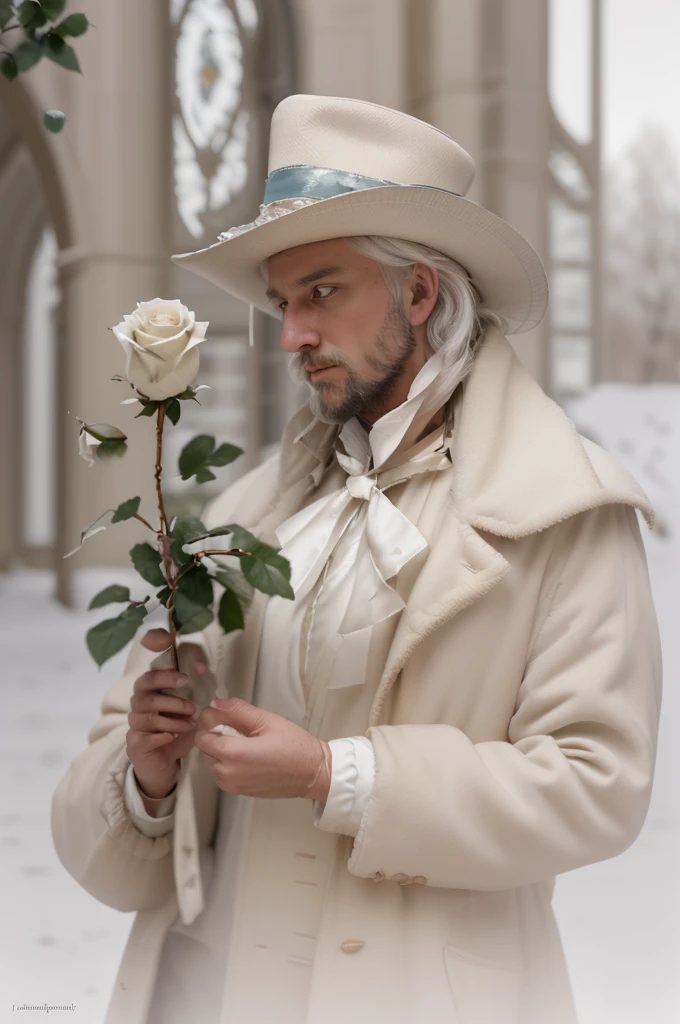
x,y
161,341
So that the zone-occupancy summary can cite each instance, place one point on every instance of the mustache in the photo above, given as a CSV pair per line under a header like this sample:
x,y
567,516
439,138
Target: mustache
x,y
299,367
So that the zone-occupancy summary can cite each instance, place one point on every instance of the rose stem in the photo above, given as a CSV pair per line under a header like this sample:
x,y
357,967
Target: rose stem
x,y
164,519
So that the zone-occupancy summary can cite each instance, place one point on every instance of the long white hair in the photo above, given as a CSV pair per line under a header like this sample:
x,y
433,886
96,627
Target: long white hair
x,y
458,319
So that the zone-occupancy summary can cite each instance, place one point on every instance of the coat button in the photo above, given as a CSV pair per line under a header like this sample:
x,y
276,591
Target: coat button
x,y
379,876
401,878
352,945
419,879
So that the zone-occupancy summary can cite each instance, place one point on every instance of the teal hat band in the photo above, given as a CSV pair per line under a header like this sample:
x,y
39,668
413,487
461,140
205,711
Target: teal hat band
x,y
300,180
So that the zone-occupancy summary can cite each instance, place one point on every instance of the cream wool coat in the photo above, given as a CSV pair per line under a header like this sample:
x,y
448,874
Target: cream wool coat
x,y
514,727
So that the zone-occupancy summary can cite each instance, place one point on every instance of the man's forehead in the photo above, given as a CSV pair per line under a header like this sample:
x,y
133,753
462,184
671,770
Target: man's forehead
x,y
318,270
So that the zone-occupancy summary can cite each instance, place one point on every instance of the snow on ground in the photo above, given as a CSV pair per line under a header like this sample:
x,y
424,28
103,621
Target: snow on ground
x,y
619,919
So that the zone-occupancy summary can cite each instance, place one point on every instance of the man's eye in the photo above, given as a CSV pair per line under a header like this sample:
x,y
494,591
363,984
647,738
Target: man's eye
x,y
329,286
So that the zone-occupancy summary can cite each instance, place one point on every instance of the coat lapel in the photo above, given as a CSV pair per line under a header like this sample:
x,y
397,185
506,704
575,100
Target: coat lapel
x,y
519,466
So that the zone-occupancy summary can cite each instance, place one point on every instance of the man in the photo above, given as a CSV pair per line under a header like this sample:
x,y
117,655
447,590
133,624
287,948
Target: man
x,y
461,702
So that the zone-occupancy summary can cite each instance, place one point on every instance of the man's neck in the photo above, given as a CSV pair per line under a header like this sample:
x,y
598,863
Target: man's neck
x,y
436,421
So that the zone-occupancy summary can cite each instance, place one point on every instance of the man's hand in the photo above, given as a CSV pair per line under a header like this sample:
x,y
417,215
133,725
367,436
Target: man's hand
x,y
273,758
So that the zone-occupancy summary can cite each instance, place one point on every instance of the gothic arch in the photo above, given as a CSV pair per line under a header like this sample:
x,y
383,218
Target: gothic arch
x,y
32,200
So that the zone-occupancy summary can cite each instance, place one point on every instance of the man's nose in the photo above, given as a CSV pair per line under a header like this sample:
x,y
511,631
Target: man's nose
x,y
297,332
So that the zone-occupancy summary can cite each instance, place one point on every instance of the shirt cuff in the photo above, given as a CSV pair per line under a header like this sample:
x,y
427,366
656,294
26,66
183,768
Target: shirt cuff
x,y
352,776
147,824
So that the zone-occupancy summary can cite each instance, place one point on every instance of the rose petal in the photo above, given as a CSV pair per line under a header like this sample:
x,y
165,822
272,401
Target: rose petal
x,y
173,383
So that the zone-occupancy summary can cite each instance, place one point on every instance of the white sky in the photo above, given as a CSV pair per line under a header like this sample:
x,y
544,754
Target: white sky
x,y
640,72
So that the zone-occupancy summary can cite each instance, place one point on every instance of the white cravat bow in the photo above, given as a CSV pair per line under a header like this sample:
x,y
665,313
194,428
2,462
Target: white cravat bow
x,y
388,541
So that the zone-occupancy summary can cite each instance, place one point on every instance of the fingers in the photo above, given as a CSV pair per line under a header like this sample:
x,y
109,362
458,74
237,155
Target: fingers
x,y
143,702
157,640
159,678
156,721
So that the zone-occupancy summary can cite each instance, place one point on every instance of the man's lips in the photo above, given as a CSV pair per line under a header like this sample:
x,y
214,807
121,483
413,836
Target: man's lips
x,y
319,370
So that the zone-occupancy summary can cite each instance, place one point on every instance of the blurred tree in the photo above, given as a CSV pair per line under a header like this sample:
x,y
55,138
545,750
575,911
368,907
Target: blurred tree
x,y
641,330
43,36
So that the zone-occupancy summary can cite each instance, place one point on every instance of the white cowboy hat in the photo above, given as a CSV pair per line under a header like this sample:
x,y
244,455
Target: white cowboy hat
x,y
340,167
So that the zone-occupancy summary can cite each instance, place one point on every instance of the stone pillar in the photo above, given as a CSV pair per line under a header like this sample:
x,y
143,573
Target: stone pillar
x,y
353,48
478,71
120,130
514,156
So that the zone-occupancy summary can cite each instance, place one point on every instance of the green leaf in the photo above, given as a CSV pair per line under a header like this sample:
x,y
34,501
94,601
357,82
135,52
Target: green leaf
x,y
186,394
163,595
29,13
225,454
268,578
203,475
194,454
149,409
73,25
192,616
109,448
245,540
185,529
126,510
8,67
54,120
6,12
196,584
104,432
221,531
110,636
60,52
109,595
230,614
27,54
89,531
233,579
147,562
173,410
53,9
264,567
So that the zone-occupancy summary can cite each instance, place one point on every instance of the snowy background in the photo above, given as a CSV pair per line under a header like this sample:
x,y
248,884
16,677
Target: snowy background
x,y
619,919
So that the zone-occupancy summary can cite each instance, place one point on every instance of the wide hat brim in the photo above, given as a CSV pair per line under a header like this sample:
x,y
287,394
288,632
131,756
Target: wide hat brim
x,y
504,267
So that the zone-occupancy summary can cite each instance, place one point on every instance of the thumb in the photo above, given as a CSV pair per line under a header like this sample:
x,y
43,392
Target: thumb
x,y
245,717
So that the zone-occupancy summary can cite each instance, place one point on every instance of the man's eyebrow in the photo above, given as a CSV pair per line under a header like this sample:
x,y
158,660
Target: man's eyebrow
x,y
316,275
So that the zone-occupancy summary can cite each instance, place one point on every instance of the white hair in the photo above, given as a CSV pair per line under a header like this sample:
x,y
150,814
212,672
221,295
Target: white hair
x,y
458,319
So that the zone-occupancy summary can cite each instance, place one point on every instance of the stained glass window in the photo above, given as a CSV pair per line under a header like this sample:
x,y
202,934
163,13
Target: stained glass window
x,y
211,122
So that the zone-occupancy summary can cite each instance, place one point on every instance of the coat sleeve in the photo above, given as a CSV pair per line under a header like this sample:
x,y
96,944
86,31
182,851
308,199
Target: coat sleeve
x,y
94,834
572,785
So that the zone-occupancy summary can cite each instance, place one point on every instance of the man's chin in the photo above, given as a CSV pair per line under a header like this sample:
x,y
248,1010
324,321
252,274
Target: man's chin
x,y
325,412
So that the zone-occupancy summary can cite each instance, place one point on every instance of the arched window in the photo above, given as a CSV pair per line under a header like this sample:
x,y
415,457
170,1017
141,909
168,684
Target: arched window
x,y
233,62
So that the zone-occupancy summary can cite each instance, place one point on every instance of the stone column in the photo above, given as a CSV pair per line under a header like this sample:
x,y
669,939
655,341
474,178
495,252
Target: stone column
x,y
119,128
478,71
